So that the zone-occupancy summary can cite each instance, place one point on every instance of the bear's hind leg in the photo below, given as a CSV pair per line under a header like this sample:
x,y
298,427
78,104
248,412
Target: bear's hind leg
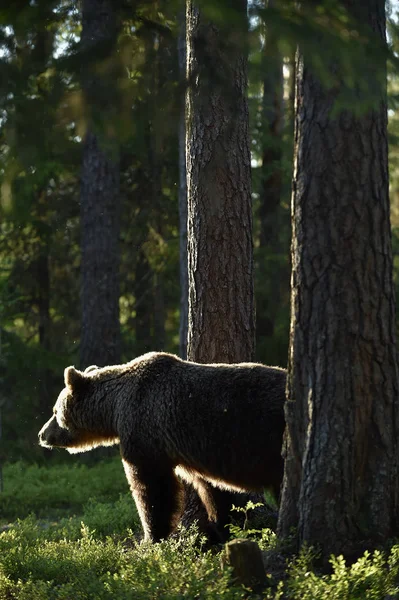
x,y
158,496
218,504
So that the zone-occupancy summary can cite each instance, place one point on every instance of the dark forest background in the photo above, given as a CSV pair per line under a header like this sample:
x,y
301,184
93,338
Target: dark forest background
x,y
45,71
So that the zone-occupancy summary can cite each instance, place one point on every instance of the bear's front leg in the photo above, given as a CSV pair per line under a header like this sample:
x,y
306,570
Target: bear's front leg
x,y
158,495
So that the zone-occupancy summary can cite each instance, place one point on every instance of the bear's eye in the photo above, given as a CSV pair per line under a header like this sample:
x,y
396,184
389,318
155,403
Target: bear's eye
x,y
54,411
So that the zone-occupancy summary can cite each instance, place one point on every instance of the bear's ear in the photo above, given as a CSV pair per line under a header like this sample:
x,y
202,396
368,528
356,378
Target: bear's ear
x,y
91,368
73,378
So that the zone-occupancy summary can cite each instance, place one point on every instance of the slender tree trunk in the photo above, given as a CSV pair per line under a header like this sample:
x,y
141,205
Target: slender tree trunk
x,y
42,277
43,301
100,340
42,51
272,115
220,254
154,141
43,280
341,472
268,296
183,329
143,295
159,311
290,102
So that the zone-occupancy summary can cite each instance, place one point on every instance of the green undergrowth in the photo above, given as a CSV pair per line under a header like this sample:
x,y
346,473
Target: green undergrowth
x,y
72,531
375,576
58,490
36,564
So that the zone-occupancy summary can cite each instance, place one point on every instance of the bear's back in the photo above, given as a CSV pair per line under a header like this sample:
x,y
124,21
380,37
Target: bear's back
x,y
227,421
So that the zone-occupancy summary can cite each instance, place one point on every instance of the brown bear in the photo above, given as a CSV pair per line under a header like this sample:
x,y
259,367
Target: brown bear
x,y
216,426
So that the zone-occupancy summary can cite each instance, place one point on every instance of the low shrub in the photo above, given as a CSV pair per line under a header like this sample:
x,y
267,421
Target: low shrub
x,y
34,564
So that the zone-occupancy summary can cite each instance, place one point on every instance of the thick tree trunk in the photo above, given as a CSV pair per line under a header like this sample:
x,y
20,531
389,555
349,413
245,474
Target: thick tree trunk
x,y
341,472
100,339
220,254
219,230
183,329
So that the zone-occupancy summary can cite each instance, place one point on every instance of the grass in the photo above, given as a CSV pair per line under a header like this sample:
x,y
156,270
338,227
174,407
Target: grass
x,y
58,490
71,531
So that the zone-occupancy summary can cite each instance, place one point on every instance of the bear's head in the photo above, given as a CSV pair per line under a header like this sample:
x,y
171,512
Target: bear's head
x,y
76,424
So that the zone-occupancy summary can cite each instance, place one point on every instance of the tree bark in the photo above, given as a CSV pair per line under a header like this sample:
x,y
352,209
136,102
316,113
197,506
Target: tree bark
x,y
341,471
220,253
183,328
100,338
219,227
245,558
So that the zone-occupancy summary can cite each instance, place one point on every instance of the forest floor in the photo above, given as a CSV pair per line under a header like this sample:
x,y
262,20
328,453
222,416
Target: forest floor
x,y
72,531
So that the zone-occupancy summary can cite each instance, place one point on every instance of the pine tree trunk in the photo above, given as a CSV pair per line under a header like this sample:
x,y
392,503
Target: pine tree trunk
x,y
341,474
268,295
272,115
183,328
220,254
219,230
43,301
143,295
154,141
100,339
290,101
159,311
41,269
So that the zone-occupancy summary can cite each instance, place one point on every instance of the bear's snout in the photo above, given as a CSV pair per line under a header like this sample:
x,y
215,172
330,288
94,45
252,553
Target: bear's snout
x,y
45,434
45,440
51,434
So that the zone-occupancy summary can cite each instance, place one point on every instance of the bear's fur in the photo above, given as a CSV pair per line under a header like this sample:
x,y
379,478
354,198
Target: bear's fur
x,y
261,516
217,426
